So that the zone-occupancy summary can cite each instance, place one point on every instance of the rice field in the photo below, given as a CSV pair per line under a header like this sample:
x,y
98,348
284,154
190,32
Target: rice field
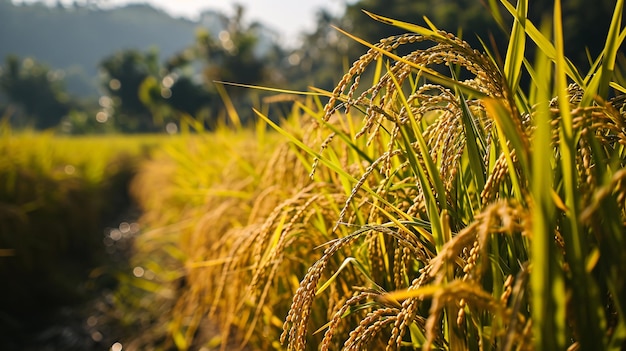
x,y
430,201
57,194
418,211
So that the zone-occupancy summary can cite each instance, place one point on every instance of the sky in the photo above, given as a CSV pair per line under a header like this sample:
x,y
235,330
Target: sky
x,y
288,17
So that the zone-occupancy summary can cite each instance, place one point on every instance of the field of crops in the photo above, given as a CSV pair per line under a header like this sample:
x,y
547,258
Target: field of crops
x,y
57,194
443,205
419,211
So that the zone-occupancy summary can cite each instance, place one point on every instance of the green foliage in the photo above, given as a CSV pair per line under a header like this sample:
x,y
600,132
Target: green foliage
x,y
239,53
36,93
189,97
230,55
146,95
124,74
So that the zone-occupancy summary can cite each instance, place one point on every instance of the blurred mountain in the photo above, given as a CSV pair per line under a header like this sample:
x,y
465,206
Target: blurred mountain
x,y
73,40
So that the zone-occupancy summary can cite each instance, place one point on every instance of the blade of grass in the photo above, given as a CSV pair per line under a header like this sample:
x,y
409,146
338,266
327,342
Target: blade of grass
x,y
618,87
544,44
547,284
435,200
507,131
429,33
474,142
318,92
343,136
344,264
589,314
516,49
230,108
494,9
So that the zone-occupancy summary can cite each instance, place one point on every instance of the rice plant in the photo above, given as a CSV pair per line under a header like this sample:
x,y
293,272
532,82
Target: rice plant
x,y
501,244
444,205
488,217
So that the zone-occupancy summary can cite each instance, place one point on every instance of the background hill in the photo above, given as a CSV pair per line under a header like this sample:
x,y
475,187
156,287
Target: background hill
x,y
77,38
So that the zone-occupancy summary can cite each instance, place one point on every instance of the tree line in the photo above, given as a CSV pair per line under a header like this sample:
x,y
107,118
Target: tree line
x,y
140,91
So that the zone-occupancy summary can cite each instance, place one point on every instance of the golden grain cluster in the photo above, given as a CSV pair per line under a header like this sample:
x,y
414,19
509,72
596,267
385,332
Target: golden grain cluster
x,y
443,206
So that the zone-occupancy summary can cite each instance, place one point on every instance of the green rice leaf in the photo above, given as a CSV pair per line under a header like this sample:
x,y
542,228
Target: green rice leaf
x,y
429,177
508,132
589,313
475,143
547,284
406,26
543,43
516,49
348,261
